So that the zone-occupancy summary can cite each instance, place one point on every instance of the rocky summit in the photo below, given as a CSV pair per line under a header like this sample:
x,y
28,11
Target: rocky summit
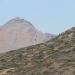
x,y
18,33
55,57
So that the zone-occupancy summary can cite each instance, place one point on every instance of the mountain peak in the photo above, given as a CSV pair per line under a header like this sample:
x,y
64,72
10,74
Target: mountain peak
x,y
19,33
17,19
17,24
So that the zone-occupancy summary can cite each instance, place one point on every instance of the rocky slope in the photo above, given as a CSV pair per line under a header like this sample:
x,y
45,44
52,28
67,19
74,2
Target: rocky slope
x,y
55,57
18,33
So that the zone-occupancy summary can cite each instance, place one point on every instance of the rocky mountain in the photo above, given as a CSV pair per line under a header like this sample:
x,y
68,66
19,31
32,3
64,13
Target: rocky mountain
x,y
55,57
18,33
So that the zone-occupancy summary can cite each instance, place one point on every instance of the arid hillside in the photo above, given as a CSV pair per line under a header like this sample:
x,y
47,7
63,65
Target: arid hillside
x,y
55,57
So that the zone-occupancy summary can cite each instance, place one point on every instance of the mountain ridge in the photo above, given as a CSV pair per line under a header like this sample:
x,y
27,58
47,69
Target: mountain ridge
x,y
18,33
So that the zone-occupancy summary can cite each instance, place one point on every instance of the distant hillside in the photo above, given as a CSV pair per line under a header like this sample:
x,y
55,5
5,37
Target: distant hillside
x,y
55,57
18,33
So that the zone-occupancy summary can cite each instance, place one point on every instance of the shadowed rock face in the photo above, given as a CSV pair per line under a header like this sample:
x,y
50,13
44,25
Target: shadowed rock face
x,y
18,33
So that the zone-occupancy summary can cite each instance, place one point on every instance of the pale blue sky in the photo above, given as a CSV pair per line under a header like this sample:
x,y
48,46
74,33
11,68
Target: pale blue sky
x,y
54,16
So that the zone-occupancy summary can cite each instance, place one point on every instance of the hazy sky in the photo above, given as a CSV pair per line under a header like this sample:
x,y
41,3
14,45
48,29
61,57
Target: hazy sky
x,y
52,16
